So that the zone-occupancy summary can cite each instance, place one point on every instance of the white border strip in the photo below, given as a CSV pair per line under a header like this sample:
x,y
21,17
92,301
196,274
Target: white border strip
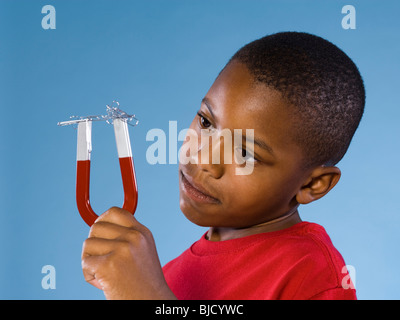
x,y
84,144
122,138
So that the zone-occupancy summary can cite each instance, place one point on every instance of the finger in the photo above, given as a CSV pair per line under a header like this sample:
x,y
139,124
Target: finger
x,y
98,247
106,230
94,282
89,267
121,217
117,216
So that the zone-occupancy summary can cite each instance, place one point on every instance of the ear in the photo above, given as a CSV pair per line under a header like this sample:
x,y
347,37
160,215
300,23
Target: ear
x,y
321,180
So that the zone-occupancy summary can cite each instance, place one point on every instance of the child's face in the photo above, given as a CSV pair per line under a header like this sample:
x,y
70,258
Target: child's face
x,y
235,102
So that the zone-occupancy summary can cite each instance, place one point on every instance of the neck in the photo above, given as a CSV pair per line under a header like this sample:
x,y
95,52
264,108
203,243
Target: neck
x,y
282,222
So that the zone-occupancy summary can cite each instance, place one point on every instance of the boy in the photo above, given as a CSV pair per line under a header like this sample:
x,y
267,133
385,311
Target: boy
x,y
304,99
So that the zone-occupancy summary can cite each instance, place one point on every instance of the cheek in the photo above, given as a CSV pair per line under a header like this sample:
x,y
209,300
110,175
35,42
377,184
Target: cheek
x,y
245,191
193,134
257,193
189,145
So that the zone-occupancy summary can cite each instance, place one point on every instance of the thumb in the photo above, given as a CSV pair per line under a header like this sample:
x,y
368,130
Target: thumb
x,y
89,272
94,282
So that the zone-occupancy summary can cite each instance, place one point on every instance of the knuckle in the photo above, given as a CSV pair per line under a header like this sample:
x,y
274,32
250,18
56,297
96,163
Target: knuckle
x,y
110,263
97,228
85,244
135,237
94,229
113,209
119,257
147,233
88,242
116,215
125,247
110,211
133,241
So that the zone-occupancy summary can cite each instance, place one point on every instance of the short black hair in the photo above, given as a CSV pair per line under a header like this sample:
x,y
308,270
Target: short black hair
x,y
320,82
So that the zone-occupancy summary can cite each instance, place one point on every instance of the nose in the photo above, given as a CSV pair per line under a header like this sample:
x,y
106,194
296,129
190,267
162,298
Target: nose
x,y
214,151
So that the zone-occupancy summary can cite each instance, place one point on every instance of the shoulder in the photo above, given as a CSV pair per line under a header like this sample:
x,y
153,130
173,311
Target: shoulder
x,y
315,243
320,268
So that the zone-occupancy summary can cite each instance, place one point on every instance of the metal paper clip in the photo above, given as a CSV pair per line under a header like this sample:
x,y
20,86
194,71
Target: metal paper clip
x,y
120,120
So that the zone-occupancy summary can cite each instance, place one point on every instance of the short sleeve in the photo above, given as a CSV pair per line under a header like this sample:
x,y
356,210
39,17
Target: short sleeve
x,y
336,294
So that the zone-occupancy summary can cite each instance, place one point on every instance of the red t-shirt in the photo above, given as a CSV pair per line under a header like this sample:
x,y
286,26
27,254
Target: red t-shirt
x,y
298,263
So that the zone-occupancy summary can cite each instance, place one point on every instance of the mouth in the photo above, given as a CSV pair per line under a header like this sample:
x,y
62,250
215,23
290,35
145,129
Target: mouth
x,y
196,192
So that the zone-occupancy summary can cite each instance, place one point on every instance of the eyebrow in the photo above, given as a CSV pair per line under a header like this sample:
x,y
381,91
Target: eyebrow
x,y
258,142
263,145
208,105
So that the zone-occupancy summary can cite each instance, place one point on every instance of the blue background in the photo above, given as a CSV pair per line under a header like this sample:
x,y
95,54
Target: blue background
x,y
158,58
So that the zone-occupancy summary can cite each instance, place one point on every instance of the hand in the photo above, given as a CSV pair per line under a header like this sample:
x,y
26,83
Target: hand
x,y
120,258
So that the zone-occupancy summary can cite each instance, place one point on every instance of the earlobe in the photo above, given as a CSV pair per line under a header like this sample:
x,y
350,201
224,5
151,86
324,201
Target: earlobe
x,y
319,183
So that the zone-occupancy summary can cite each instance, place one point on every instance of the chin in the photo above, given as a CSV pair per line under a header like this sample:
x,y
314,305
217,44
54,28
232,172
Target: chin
x,y
192,215
203,219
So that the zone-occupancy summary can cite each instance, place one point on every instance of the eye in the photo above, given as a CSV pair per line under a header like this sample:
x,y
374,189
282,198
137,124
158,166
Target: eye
x,y
243,155
204,123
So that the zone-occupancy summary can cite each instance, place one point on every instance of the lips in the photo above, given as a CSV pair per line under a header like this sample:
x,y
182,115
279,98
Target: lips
x,y
195,191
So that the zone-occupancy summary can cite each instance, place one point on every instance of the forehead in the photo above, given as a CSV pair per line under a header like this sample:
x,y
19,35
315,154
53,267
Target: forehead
x,y
235,86
238,96
238,102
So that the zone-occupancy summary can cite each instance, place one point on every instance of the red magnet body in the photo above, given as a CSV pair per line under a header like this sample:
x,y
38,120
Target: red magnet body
x,y
83,169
